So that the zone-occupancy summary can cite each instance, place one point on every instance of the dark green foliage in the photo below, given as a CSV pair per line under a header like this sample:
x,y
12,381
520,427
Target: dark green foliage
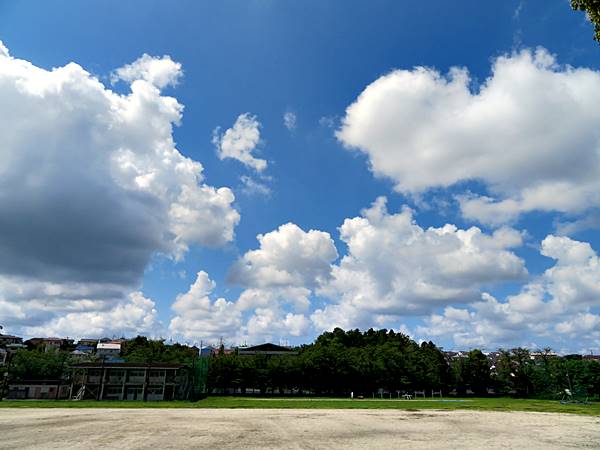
x,y
141,349
592,9
338,363
477,372
515,370
35,365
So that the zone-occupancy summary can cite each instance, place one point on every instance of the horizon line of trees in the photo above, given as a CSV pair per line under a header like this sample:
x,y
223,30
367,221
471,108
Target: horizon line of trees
x,y
340,362
382,361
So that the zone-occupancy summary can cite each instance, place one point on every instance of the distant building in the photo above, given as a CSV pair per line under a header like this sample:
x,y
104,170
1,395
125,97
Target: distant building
x,y
453,356
87,342
108,350
7,339
50,343
85,348
208,351
78,355
131,381
266,349
536,356
38,389
3,356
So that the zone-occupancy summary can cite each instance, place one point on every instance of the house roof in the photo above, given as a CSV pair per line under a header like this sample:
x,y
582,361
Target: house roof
x,y
108,346
266,349
78,352
48,339
85,348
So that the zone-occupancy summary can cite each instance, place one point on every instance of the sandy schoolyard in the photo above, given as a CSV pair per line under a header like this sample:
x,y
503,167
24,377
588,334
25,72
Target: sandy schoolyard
x,y
291,429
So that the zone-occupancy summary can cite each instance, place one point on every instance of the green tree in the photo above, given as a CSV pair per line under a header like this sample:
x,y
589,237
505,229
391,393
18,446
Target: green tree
x,y
515,372
35,365
592,9
477,372
143,350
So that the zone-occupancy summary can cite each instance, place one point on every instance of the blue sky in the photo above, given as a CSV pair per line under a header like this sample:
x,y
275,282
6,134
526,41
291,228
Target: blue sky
x,y
313,60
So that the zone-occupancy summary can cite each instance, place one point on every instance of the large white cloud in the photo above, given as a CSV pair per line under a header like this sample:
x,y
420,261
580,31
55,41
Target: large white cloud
x,y
559,308
197,317
240,141
278,278
92,184
393,268
131,316
396,268
288,256
200,317
529,132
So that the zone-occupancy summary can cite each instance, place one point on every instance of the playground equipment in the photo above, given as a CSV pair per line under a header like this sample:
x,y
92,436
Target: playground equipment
x,y
80,393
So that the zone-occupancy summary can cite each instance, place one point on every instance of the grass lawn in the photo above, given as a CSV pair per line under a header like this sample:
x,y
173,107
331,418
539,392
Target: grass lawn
x,y
487,404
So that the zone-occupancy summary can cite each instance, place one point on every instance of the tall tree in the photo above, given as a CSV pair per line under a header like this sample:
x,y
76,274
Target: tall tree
x,y
477,371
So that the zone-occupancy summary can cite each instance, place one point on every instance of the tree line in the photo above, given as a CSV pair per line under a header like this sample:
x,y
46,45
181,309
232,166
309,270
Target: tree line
x,y
341,362
380,361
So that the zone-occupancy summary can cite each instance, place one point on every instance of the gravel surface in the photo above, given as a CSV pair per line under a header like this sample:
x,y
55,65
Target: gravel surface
x,y
291,429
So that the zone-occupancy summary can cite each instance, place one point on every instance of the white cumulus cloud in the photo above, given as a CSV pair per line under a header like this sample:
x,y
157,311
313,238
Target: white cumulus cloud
x,y
240,141
131,316
559,308
529,132
198,317
160,72
394,267
288,256
91,186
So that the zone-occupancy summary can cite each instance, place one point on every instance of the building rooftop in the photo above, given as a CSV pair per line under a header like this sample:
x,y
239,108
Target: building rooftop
x,y
108,346
266,349
125,365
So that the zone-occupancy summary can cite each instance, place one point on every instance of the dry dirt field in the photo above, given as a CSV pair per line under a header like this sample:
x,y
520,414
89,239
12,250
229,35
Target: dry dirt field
x,y
291,429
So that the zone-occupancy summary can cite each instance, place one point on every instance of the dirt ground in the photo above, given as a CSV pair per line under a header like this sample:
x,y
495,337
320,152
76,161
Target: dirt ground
x,y
291,429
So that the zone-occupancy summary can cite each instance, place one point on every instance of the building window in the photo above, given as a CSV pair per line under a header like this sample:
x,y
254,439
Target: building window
x,y
155,390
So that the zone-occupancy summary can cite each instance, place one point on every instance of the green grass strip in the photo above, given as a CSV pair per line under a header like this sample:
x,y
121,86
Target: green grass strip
x,y
482,404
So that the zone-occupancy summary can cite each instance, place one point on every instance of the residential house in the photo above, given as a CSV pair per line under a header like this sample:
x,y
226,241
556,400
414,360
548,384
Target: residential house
x,y
209,350
7,339
108,350
50,343
85,348
87,342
